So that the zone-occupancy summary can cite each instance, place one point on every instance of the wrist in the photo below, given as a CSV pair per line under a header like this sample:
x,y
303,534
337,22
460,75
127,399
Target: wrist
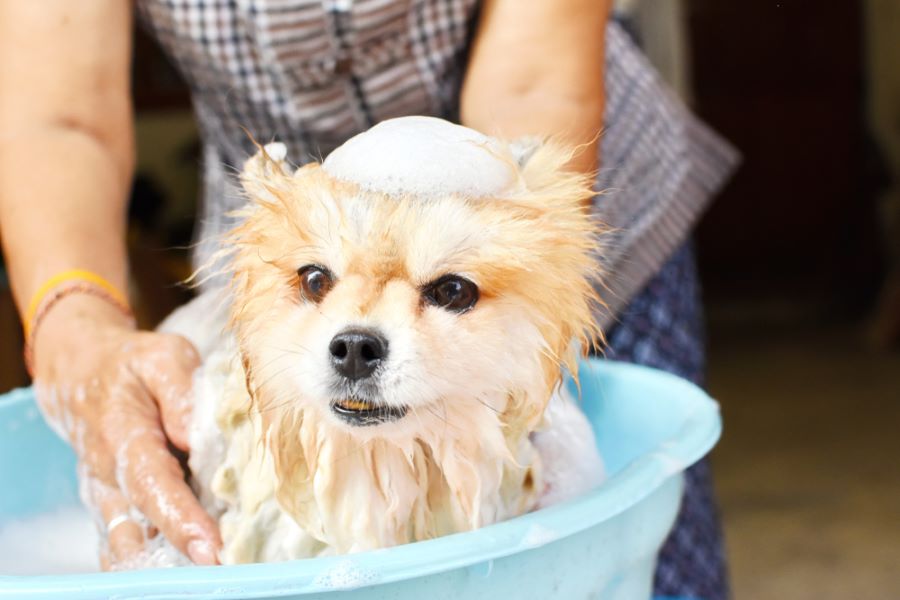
x,y
73,323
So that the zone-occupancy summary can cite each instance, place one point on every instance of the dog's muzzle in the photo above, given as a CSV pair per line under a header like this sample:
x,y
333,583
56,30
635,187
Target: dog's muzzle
x,y
356,356
361,413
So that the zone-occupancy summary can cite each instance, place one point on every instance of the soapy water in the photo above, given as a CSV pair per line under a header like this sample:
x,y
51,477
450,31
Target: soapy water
x,y
65,541
54,543
158,553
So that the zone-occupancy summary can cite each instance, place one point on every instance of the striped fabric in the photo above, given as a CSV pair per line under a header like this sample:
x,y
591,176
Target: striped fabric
x,y
312,73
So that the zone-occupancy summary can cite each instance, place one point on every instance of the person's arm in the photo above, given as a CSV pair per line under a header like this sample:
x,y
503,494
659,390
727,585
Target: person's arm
x,y
536,68
66,139
66,163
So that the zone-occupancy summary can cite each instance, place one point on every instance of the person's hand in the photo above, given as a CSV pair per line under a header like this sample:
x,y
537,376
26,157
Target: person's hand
x,y
120,397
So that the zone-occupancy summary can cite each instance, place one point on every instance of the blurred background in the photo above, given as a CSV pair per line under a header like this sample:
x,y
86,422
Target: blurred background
x,y
800,258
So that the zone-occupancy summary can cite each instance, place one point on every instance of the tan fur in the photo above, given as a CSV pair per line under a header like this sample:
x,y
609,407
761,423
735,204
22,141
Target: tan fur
x,y
463,457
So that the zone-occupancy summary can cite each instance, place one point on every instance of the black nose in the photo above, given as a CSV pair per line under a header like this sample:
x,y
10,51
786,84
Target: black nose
x,y
356,353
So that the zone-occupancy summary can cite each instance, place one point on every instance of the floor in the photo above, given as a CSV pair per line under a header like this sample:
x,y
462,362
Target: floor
x,y
808,470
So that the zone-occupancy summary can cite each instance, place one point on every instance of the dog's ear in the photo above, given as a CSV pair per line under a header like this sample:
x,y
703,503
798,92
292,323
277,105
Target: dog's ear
x,y
544,170
265,172
563,242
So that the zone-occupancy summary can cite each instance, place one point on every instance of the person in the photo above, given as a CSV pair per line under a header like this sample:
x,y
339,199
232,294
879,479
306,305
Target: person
x,y
310,74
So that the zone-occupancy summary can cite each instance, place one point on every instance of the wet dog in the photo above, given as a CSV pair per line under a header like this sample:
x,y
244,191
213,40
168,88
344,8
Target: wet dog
x,y
399,319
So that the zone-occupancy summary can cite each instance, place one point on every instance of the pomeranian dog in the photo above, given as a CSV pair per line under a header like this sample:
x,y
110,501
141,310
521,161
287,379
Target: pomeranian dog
x,y
393,342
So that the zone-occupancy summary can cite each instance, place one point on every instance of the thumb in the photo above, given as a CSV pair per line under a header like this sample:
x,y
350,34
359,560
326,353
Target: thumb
x,y
166,368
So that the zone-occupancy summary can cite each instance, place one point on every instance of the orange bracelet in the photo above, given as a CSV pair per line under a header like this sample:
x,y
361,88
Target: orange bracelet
x,y
75,281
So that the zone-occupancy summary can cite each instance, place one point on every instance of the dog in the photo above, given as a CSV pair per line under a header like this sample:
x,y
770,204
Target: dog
x,y
386,363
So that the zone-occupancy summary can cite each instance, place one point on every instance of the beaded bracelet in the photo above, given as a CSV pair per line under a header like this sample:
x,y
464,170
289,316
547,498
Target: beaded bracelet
x,y
75,281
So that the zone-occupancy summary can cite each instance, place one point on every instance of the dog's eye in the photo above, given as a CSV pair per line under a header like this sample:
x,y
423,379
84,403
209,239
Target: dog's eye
x,y
315,282
452,292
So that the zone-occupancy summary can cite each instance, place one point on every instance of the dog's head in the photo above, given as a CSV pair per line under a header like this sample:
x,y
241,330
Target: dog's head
x,y
432,319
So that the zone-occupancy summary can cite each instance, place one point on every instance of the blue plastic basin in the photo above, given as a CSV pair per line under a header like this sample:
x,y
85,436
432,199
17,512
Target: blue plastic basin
x,y
650,426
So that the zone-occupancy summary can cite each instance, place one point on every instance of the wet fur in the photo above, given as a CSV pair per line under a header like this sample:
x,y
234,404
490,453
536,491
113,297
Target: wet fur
x,y
291,480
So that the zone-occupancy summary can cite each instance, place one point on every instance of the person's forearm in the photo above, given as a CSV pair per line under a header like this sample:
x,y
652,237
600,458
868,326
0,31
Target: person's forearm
x,y
536,68
62,206
66,139
66,163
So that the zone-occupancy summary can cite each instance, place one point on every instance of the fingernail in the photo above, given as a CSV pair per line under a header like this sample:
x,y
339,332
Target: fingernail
x,y
201,552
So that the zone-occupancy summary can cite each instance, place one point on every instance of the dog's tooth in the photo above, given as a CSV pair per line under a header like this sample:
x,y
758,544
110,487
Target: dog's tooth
x,y
352,404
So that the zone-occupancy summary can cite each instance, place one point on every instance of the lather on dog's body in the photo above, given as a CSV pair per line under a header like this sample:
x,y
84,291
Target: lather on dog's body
x,y
398,319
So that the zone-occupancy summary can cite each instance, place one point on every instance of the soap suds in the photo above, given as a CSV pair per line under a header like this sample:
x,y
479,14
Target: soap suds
x,y
157,553
55,543
426,157
346,575
568,450
65,541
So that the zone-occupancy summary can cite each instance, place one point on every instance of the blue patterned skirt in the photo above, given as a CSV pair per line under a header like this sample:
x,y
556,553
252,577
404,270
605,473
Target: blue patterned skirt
x,y
662,327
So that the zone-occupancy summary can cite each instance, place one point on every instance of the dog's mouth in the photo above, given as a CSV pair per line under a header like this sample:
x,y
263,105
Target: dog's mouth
x,y
361,412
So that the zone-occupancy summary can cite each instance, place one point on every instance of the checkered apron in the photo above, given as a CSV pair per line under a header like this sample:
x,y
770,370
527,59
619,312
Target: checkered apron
x,y
312,73
662,327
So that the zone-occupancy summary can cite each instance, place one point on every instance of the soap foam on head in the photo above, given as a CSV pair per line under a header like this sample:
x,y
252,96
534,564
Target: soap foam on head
x,y
425,157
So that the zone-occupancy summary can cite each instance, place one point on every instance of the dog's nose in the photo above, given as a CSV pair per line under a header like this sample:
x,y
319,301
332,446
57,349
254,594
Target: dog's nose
x,y
356,353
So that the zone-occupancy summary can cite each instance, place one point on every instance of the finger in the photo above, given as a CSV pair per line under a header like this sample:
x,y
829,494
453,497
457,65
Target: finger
x,y
153,481
124,535
167,368
96,461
